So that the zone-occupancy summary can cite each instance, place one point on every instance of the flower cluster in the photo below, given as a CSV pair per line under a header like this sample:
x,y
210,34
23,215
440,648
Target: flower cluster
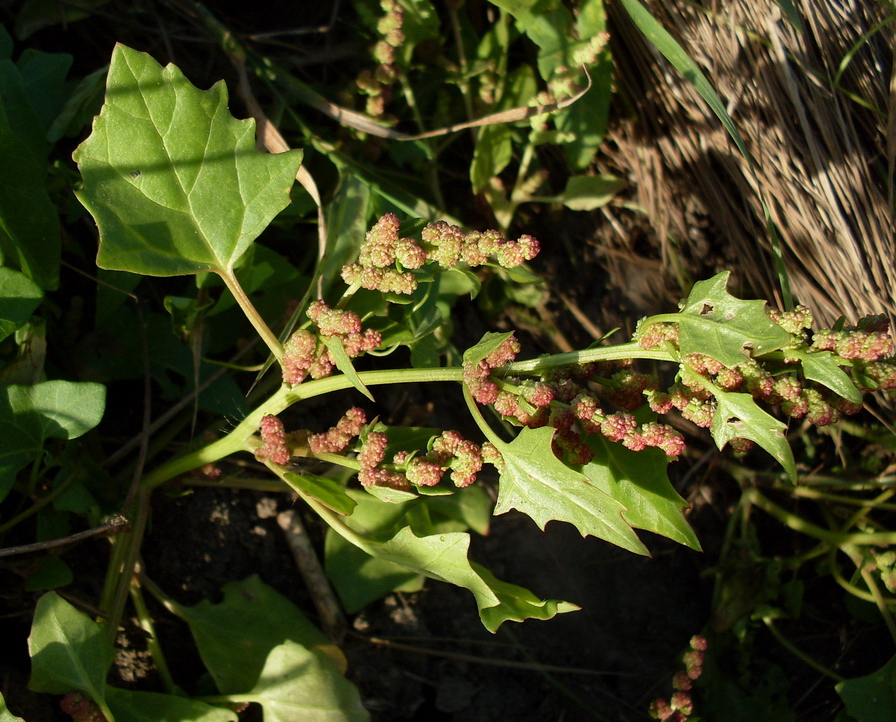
x,y
680,707
385,257
449,452
863,352
564,401
377,84
305,353
274,446
81,708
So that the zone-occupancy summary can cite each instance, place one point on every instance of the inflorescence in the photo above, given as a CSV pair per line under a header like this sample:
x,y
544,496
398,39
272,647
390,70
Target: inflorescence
x,y
386,261
448,453
681,706
582,402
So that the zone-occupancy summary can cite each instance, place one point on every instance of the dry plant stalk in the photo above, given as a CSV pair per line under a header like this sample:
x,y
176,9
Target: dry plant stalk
x,y
821,127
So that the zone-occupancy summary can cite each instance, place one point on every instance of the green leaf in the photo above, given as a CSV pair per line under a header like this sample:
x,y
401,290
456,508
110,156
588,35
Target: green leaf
x,y
488,343
728,329
19,296
51,573
871,698
537,483
174,182
29,225
585,193
325,490
344,363
821,367
235,637
69,651
296,684
638,480
44,78
135,706
444,557
738,416
31,414
358,577
525,11
494,151
5,714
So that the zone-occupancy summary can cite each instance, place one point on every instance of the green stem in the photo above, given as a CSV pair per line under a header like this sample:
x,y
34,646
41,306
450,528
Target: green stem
x,y
797,652
272,342
144,620
837,539
631,350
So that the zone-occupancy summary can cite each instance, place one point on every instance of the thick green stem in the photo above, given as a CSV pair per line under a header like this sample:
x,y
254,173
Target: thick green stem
x,y
631,350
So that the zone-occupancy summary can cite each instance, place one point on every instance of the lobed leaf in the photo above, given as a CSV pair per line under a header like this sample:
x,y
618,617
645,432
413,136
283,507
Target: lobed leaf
x,y
175,182
738,416
444,557
638,480
715,323
537,483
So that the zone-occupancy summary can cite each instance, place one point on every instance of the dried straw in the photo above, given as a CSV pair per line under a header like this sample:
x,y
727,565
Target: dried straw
x,y
817,109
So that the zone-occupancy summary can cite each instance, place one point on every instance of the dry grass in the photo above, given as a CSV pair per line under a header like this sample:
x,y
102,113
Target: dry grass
x,y
817,109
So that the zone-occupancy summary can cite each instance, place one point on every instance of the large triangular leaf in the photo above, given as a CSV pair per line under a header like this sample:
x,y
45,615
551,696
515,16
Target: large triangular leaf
x,y
537,483
638,479
715,323
174,182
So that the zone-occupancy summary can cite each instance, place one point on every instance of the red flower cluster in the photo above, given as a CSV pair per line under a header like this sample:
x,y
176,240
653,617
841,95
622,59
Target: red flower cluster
x,y
680,707
384,256
305,353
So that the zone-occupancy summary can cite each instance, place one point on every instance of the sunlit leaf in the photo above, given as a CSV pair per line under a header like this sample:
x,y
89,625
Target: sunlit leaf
x,y
137,706
728,329
296,684
236,636
638,480
537,483
174,182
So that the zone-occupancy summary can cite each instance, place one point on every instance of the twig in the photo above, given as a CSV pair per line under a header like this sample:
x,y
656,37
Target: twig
x,y
116,524
332,620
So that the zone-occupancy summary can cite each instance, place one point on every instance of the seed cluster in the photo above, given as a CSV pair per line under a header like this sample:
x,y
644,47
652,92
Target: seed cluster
x,y
306,354
386,261
681,706
448,453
